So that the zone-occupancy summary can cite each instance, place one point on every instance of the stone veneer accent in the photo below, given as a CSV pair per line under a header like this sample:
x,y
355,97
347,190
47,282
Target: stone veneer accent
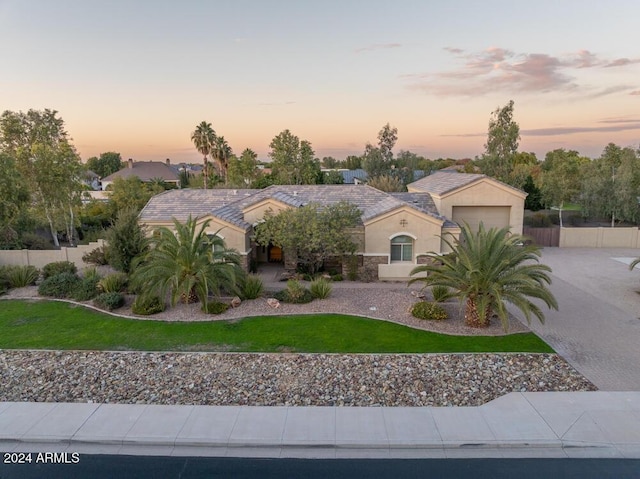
x,y
367,267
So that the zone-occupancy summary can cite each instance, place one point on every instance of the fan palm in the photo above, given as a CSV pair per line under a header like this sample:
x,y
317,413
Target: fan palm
x,y
188,262
222,152
488,268
204,139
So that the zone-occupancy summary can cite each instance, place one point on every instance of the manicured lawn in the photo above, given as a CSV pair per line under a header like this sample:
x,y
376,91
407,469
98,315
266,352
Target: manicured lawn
x,y
56,325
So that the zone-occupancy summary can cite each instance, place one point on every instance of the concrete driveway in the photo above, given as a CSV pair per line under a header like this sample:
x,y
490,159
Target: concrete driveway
x,y
597,327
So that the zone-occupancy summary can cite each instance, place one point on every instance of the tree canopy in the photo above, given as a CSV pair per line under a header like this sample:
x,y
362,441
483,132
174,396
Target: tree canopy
x,y
293,160
488,268
502,143
313,233
48,164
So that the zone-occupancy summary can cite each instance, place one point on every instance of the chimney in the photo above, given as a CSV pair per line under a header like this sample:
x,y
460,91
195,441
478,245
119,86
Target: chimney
x,y
130,163
168,162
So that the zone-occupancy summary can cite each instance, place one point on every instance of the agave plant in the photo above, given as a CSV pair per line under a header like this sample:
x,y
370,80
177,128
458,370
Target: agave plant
x,y
487,269
187,262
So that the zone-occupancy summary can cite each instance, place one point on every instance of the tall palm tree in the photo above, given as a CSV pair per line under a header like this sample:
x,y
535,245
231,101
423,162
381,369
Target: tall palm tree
x,y
488,268
187,262
222,152
204,139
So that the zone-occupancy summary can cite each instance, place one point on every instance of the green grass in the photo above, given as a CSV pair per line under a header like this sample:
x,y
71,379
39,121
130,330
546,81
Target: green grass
x,y
57,325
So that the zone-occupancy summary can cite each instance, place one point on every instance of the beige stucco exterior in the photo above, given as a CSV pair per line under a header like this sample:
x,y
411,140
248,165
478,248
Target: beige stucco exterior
x,y
484,192
256,212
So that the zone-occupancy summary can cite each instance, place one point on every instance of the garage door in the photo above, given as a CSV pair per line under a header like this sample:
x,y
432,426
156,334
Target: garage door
x,y
491,216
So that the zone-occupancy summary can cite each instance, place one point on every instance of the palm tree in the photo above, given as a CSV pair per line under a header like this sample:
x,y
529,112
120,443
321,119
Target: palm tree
x,y
188,263
204,139
488,268
222,152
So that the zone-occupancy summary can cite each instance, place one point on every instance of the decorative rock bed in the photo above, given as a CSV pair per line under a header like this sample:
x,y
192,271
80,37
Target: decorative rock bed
x,y
279,379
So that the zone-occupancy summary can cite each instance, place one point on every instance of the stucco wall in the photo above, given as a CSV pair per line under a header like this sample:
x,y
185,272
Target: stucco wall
x,y
39,258
425,229
484,193
599,238
232,236
256,212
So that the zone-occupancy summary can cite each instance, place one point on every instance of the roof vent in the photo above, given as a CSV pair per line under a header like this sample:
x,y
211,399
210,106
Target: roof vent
x,y
295,193
235,192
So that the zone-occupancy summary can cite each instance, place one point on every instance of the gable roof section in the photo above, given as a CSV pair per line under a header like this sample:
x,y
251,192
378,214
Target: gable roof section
x,y
146,171
179,204
441,182
228,205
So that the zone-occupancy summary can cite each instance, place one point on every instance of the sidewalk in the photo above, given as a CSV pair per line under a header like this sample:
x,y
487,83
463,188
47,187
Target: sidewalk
x,y
578,425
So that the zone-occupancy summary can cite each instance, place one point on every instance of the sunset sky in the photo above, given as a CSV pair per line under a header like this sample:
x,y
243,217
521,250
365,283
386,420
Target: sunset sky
x,y
136,77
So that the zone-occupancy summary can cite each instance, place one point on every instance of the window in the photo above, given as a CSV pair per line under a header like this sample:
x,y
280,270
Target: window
x,y
402,248
217,246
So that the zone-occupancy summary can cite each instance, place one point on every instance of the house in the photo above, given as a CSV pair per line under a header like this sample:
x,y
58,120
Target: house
x,y
394,233
359,176
472,198
147,171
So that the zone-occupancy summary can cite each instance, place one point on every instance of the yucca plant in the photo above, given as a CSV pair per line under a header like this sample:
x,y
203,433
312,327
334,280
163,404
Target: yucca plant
x,y
488,268
21,276
252,287
188,262
113,283
320,288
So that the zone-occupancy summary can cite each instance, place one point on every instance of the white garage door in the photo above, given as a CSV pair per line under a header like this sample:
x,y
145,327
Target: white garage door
x,y
491,216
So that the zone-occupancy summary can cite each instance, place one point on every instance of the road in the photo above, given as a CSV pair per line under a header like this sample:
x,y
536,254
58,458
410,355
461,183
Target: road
x,y
122,467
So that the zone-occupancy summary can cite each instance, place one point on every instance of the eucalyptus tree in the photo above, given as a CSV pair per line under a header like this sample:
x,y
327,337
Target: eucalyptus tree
x,y
49,164
502,143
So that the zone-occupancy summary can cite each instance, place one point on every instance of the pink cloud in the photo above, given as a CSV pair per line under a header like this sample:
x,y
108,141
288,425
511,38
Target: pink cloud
x,y
621,62
498,69
635,92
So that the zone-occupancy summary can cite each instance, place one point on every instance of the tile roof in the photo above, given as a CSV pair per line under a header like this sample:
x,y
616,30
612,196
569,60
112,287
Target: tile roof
x,y
146,171
180,204
442,182
228,206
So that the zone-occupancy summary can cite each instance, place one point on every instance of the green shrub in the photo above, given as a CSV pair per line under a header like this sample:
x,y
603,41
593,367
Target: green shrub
x,y
86,289
427,310
109,301
295,293
352,268
97,256
252,287
33,241
337,277
215,307
145,305
4,281
320,288
20,276
92,273
113,283
441,293
538,220
126,240
53,269
59,285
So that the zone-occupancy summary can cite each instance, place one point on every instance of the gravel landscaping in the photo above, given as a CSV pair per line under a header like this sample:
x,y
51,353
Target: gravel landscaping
x,y
279,379
289,379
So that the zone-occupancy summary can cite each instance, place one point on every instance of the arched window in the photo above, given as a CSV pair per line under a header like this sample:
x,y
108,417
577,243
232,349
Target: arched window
x,y
402,248
217,244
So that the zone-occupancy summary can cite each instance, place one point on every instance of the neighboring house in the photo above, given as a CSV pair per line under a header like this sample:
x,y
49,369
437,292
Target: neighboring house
x,y
147,171
395,230
91,180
